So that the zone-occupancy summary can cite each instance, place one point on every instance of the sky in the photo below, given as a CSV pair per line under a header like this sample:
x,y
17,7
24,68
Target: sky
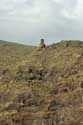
x,y
27,21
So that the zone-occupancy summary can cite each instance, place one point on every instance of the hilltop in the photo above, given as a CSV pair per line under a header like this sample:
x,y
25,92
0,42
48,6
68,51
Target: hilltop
x,y
41,86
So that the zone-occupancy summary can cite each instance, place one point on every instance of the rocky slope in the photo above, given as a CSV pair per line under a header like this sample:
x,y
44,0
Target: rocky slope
x,y
41,86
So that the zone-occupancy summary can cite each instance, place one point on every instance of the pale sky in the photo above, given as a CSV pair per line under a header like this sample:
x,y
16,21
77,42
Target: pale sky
x,y
27,21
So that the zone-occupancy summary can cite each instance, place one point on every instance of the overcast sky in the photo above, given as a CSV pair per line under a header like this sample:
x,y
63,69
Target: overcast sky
x,y
26,21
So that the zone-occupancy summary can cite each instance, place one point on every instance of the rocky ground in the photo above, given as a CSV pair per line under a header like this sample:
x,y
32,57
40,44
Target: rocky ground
x,y
41,86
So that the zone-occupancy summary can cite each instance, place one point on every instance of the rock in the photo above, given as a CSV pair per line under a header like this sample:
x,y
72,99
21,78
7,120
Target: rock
x,y
54,91
23,97
13,106
30,73
54,105
5,75
31,103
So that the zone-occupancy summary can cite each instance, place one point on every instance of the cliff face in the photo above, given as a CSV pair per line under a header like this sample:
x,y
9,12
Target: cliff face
x,y
41,86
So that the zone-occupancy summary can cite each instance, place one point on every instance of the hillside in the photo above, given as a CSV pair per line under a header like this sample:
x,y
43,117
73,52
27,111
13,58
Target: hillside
x,y
41,86
11,54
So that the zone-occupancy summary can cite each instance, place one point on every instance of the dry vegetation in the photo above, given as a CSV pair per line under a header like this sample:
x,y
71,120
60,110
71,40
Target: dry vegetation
x,y
41,86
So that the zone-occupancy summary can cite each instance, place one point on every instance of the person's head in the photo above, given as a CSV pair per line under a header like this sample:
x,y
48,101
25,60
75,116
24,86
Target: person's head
x,y
42,40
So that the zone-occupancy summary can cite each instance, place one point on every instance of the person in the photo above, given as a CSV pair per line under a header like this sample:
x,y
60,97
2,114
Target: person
x,y
42,44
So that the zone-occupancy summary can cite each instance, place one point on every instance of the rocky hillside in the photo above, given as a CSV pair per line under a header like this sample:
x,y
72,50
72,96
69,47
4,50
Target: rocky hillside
x,y
41,86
